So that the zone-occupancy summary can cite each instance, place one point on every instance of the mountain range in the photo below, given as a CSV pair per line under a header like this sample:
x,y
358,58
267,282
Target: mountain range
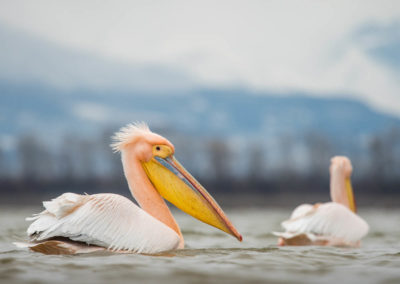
x,y
28,108
51,90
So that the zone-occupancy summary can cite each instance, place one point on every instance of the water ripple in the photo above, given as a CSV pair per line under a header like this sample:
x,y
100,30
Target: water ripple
x,y
212,256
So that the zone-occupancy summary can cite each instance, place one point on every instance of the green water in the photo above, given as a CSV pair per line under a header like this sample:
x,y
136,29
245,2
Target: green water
x,y
212,256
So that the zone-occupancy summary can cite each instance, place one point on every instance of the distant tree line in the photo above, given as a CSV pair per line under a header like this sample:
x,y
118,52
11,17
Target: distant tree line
x,y
83,164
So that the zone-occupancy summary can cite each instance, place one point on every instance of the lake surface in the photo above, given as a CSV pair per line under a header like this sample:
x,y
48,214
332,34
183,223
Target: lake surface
x,y
212,256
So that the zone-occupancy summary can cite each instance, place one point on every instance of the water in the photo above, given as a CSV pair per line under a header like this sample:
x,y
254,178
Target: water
x,y
212,256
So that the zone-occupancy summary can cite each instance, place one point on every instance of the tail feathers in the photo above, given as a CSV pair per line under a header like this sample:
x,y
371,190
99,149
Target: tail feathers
x,y
22,245
279,234
34,217
42,227
64,204
47,221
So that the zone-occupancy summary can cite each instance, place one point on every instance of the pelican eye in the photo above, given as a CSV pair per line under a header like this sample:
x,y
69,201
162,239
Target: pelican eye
x,y
158,148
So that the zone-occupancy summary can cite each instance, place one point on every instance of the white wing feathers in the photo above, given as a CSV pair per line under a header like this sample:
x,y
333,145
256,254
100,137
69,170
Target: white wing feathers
x,y
106,220
328,219
302,210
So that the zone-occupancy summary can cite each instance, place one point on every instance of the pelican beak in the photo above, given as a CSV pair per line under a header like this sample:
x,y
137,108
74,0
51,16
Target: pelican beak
x,y
350,195
178,186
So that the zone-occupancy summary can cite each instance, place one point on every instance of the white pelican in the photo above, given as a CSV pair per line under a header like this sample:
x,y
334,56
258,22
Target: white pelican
x,y
328,224
73,223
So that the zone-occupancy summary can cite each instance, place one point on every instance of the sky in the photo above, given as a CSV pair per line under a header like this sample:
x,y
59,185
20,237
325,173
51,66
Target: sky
x,y
323,48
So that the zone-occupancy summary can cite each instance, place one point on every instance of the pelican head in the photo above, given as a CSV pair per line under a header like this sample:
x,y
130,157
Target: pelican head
x,y
170,179
341,170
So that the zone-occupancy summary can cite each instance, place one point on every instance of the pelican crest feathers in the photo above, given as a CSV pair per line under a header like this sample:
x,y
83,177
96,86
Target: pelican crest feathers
x,y
128,134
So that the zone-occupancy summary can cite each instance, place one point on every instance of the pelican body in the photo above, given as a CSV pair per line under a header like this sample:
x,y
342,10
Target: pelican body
x,y
74,223
328,224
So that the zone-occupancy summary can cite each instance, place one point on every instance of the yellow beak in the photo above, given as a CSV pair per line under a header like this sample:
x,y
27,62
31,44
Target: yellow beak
x,y
350,195
177,186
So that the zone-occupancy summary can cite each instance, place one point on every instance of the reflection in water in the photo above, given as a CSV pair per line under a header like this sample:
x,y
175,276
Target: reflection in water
x,y
211,256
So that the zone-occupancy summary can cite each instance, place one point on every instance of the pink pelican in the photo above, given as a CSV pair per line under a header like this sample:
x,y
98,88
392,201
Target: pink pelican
x,y
74,223
328,224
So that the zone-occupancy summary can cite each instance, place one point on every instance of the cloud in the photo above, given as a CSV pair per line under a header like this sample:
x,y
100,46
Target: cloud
x,y
102,114
7,142
29,58
92,112
308,46
382,41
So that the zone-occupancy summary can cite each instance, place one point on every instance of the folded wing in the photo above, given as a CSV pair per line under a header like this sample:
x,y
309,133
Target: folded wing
x,y
106,220
327,219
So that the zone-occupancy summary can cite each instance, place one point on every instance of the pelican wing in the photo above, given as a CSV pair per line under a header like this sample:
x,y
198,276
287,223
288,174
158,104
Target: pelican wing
x,y
107,220
327,219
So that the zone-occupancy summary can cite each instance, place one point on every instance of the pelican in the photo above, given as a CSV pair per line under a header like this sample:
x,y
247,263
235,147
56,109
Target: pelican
x,y
74,223
328,224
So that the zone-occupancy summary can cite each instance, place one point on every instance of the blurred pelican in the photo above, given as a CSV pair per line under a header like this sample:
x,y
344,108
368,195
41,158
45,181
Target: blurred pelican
x,y
73,223
328,224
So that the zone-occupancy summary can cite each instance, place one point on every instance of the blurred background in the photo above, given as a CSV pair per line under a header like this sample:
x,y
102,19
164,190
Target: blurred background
x,y
256,96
